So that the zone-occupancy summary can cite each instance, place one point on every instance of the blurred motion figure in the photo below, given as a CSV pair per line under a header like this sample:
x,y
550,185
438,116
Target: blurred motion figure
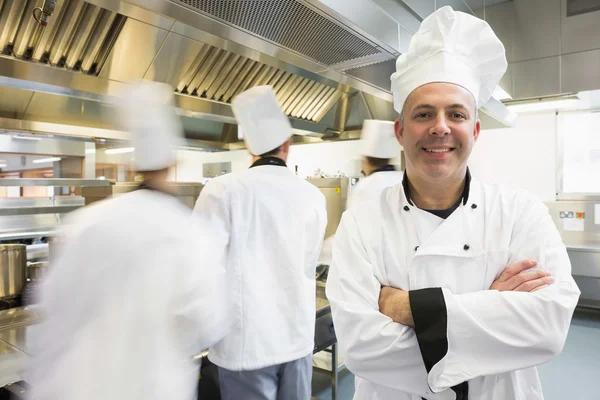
x,y
127,304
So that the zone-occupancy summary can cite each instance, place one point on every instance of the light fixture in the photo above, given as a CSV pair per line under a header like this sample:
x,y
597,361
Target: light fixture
x,y
544,105
3,165
121,150
501,94
46,160
21,137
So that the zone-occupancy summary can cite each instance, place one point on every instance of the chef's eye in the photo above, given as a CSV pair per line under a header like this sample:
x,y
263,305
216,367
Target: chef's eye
x,y
422,115
458,115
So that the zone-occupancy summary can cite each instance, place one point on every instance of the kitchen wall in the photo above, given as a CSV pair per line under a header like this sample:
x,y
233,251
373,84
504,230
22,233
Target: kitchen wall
x,y
523,157
331,158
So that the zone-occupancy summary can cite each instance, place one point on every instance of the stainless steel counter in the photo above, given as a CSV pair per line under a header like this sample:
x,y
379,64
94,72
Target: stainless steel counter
x,y
17,324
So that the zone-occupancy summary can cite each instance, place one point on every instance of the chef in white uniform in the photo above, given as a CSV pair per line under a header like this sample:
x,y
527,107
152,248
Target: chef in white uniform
x,y
445,287
127,304
380,146
270,223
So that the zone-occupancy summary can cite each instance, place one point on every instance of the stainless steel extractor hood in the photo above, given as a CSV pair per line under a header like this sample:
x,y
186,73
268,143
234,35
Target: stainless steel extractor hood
x,y
329,63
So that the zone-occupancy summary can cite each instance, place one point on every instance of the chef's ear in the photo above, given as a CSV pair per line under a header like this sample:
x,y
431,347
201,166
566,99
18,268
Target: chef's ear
x,y
399,129
476,129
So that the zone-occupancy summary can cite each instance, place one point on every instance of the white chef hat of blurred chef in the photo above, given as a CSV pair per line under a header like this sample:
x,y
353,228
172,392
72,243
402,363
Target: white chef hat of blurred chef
x,y
146,110
452,47
261,119
379,139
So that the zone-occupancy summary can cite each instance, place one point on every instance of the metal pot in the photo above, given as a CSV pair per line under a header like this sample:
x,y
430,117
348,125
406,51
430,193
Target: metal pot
x,y
37,270
13,273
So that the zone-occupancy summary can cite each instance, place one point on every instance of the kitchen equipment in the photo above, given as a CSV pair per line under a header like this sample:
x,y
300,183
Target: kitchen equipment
x,y
13,274
37,270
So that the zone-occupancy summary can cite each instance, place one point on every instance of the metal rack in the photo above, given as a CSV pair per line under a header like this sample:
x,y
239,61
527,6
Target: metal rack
x,y
26,218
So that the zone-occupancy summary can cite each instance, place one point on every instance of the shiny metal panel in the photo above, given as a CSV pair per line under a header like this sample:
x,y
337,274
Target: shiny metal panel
x,y
191,48
221,93
536,78
311,99
138,43
54,129
580,71
89,17
239,80
224,73
10,20
13,272
13,102
579,32
502,19
336,192
24,182
321,104
300,99
28,33
95,52
66,30
138,10
68,110
205,68
46,146
541,39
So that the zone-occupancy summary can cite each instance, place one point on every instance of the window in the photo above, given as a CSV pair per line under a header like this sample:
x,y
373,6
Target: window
x,y
579,153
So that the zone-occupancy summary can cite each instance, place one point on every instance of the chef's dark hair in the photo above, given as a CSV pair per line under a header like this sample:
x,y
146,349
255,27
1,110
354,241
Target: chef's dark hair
x,y
271,152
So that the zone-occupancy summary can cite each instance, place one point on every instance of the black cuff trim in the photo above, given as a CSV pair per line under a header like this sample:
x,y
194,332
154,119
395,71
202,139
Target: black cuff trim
x,y
429,313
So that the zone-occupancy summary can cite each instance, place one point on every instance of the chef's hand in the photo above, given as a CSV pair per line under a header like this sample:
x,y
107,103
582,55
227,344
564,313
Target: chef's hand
x,y
395,304
519,277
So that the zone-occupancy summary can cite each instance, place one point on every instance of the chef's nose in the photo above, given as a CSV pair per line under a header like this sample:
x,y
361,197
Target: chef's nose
x,y
440,127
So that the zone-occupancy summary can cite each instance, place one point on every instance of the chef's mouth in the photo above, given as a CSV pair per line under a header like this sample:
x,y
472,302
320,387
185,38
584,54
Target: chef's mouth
x,y
438,149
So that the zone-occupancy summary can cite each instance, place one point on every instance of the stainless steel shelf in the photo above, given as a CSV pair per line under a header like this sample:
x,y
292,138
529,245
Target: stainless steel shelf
x,y
12,211
22,182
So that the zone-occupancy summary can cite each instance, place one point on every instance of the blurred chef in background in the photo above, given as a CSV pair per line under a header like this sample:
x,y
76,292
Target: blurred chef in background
x,y
127,304
380,146
270,223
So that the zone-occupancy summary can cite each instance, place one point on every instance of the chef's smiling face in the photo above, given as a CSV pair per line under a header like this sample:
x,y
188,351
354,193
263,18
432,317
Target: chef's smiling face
x,y
438,131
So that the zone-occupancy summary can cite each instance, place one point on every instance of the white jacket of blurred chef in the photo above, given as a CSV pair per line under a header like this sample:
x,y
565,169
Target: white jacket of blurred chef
x,y
490,339
128,303
271,224
379,141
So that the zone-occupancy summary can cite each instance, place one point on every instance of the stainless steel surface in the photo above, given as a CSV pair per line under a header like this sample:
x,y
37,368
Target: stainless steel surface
x,y
45,146
13,102
78,34
22,182
211,50
583,247
336,192
536,40
579,32
539,77
36,272
186,192
13,275
138,41
37,210
579,71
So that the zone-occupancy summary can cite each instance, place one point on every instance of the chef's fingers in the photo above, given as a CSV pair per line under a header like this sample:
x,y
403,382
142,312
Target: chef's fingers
x,y
532,285
515,269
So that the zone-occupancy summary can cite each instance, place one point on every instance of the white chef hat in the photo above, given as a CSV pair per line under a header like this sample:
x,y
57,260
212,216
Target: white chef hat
x,y
379,139
452,47
145,109
262,121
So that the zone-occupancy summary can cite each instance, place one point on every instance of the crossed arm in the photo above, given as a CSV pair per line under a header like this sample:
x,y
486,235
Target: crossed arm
x,y
376,327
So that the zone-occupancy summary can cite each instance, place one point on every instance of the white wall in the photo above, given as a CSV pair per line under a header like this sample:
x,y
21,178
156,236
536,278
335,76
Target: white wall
x,y
523,157
331,158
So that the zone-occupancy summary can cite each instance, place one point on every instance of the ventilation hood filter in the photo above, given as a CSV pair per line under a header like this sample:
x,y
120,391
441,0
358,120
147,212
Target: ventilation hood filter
x,y
220,75
291,24
79,36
